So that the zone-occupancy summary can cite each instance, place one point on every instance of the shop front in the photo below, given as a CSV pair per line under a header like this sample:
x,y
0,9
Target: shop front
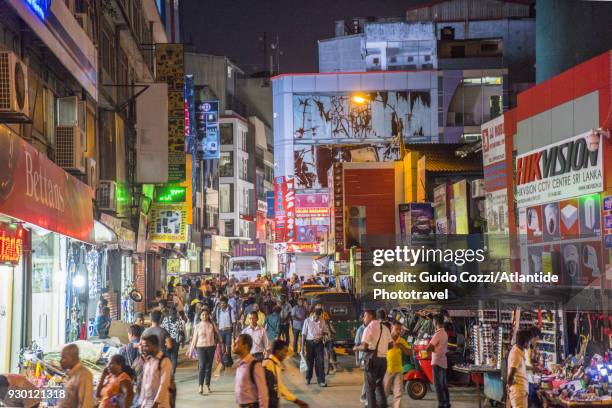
x,y
44,290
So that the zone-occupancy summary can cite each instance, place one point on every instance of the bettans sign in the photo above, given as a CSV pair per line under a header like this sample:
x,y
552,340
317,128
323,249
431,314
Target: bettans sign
x,y
36,190
11,243
566,169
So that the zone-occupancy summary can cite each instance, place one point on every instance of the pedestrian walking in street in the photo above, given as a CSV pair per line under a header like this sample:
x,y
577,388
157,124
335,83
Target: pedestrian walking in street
x,y
131,350
115,387
224,316
299,313
175,326
438,347
79,383
360,362
285,318
518,383
313,333
394,382
103,323
261,316
140,321
162,334
273,324
203,342
375,343
157,389
278,354
250,384
259,337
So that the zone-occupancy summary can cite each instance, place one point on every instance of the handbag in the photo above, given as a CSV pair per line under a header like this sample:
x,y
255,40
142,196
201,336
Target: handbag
x,y
371,354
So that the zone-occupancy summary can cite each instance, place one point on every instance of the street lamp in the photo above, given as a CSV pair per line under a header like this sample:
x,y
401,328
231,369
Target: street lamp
x,y
360,98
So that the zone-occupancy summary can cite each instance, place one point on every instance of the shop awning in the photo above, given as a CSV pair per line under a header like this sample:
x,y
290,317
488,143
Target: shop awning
x,y
451,164
104,235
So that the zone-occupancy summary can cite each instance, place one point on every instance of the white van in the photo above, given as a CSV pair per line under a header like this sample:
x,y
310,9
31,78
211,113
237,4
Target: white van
x,y
247,267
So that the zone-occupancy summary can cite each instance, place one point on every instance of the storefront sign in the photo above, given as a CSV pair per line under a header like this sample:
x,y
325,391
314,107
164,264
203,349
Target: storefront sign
x,y
220,244
207,128
459,209
493,141
284,208
270,204
496,206
298,247
35,190
11,243
416,223
170,194
562,170
173,266
126,237
170,69
168,223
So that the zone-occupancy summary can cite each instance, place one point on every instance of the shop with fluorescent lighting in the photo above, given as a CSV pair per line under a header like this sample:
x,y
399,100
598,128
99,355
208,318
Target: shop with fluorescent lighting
x,y
49,264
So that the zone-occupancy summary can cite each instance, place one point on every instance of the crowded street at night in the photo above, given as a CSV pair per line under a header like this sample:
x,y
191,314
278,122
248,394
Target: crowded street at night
x,y
312,204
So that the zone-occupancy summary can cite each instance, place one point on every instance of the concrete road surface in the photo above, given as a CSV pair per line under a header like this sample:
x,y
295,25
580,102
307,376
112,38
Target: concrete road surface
x,y
343,389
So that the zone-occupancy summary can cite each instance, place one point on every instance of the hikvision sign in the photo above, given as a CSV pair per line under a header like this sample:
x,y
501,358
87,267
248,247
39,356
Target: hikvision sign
x,y
562,170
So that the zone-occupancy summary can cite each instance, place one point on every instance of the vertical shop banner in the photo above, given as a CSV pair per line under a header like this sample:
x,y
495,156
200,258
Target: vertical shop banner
x,y
168,223
416,223
11,243
493,141
440,206
284,208
459,209
570,168
207,117
496,207
191,145
36,190
270,204
170,69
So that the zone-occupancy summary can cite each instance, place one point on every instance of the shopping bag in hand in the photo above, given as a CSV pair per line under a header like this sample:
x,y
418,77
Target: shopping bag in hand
x,y
303,364
218,354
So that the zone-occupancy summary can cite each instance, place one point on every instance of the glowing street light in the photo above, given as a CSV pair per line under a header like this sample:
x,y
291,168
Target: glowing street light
x,y
360,98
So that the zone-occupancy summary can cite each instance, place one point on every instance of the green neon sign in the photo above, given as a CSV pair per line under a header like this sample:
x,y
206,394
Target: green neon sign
x,y
170,194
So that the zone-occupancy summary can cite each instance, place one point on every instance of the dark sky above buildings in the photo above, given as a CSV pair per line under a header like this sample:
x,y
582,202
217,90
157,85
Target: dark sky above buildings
x,y
234,27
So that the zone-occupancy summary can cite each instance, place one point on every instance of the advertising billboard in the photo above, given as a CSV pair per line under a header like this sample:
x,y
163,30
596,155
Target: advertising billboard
x,y
493,141
566,169
284,209
170,69
168,223
416,223
309,203
207,119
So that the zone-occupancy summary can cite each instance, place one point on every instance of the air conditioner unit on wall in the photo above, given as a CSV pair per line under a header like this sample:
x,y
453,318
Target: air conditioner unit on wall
x,y
91,171
478,189
70,146
105,195
14,100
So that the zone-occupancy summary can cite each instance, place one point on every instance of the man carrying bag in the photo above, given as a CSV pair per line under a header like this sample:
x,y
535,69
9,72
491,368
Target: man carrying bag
x,y
375,343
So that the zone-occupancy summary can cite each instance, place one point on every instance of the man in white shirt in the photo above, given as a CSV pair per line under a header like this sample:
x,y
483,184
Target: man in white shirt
x,y
258,335
312,334
375,342
156,375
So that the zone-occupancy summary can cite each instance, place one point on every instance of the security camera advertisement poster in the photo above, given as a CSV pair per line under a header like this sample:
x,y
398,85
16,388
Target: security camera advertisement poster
x,y
168,223
570,168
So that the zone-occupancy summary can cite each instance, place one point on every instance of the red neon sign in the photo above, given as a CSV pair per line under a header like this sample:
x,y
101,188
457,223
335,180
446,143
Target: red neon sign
x,y
11,243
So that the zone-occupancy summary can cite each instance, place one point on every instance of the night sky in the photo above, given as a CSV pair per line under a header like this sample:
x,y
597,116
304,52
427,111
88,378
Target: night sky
x,y
233,27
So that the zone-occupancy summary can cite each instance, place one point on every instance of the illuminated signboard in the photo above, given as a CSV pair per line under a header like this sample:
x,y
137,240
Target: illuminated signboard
x,y
40,7
11,243
170,194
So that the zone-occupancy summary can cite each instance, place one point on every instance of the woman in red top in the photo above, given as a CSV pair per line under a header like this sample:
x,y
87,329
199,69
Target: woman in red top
x,y
115,388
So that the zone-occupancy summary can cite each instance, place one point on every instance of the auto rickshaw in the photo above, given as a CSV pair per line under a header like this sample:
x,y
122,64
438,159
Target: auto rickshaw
x,y
343,312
